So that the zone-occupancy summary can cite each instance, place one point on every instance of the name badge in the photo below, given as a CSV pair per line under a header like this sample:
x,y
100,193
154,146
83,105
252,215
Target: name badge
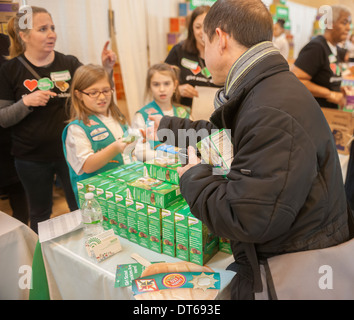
x,y
332,58
189,64
60,76
99,134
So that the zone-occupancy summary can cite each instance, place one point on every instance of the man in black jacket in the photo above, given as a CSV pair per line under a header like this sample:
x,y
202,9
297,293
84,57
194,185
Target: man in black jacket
x,y
284,192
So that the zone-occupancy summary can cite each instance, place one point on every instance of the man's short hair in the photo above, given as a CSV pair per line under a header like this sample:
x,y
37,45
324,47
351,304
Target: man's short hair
x,y
248,21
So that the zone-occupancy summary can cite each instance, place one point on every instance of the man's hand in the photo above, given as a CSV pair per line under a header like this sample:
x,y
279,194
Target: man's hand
x,y
193,160
151,131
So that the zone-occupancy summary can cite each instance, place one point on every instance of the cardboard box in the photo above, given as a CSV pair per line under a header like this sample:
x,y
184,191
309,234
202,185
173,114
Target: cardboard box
x,y
82,187
143,224
168,227
163,169
225,245
112,206
7,11
101,199
203,245
182,234
217,149
183,9
136,166
349,90
155,228
167,151
120,199
154,192
132,221
341,124
177,24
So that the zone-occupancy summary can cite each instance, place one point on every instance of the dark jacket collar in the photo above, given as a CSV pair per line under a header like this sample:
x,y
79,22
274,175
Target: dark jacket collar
x,y
224,116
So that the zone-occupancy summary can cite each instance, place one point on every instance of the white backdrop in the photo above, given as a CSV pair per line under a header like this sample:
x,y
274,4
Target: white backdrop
x,y
301,20
141,33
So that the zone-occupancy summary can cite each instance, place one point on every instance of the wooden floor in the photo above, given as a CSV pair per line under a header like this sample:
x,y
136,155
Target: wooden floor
x,y
59,204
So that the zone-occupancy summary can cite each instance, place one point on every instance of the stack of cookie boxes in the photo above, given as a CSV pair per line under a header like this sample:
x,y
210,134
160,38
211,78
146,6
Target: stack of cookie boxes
x,y
142,203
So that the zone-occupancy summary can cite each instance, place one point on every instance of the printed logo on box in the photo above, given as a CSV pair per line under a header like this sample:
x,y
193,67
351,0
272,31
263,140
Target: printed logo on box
x,y
146,285
174,280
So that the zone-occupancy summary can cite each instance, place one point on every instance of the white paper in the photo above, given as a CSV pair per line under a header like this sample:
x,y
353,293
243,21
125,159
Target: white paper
x,y
203,106
58,226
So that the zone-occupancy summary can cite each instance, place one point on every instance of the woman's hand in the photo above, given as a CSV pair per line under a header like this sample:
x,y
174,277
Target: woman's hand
x,y
108,57
38,98
188,91
337,98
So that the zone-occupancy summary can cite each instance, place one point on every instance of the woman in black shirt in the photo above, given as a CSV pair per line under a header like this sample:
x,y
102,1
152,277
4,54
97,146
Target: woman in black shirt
x,y
188,55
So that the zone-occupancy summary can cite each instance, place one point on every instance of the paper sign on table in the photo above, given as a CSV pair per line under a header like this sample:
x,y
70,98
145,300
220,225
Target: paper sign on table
x,y
58,226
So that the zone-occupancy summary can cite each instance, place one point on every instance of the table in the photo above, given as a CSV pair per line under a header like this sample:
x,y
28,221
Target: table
x,y
71,274
17,245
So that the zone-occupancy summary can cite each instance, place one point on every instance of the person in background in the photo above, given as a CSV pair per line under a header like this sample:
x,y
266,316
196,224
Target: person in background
x,y
92,140
188,55
350,48
279,38
161,85
318,65
34,86
10,184
284,191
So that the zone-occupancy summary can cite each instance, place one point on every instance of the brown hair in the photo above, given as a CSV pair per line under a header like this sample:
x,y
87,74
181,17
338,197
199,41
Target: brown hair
x,y
248,21
84,77
17,46
166,69
190,44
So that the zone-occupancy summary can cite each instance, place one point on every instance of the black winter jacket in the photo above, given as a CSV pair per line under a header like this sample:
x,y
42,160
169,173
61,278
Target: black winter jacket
x,y
292,197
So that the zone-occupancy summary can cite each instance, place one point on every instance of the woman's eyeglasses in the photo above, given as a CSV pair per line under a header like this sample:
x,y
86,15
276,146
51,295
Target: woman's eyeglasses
x,y
96,93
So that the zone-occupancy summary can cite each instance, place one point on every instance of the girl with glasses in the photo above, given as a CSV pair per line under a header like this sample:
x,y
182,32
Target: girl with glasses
x,y
92,140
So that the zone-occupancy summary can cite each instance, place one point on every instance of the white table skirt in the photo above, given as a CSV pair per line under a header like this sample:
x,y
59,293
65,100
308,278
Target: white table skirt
x,y
17,244
73,275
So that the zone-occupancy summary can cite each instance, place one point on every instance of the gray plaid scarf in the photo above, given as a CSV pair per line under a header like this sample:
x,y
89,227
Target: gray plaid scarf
x,y
241,68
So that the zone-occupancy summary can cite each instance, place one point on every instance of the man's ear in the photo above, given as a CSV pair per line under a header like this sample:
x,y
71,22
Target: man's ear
x,y
222,38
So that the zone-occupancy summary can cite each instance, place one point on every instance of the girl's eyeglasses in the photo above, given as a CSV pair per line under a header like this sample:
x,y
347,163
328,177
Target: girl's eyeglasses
x,y
95,94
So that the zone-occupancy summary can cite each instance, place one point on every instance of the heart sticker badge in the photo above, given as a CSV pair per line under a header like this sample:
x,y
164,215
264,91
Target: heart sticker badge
x,y
30,84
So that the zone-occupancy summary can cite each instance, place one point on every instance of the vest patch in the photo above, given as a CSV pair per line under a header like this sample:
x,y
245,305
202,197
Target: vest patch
x,y
99,134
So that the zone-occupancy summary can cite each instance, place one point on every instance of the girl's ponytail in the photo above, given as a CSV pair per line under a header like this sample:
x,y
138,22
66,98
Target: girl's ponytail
x,y
16,46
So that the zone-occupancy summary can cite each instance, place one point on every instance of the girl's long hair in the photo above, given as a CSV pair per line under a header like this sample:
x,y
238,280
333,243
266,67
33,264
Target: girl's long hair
x,y
84,77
